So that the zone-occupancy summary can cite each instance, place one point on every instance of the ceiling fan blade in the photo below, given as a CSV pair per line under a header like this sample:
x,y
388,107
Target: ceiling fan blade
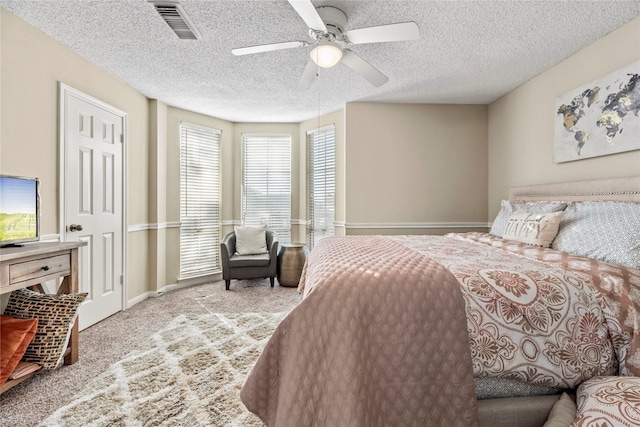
x,y
307,77
362,67
309,14
266,47
385,33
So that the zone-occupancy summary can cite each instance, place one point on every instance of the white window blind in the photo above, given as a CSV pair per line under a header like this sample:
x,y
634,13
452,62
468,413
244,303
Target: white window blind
x,y
199,200
266,182
321,183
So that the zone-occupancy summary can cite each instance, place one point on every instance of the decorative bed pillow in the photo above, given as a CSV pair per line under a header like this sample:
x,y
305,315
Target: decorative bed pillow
x,y
563,412
507,208
608,401
251,240
539,206
56,315
15,336
532,228
500,223
606,231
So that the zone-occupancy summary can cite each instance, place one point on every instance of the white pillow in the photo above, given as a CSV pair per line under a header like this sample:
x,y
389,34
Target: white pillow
x,y
533,229
251,240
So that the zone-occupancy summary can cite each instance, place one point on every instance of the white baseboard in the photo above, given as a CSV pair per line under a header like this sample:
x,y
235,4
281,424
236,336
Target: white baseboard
x,y
182,283
141,298
190,281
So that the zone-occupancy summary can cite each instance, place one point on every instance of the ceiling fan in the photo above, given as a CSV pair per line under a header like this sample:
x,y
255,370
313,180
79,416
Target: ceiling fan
x,y
326,28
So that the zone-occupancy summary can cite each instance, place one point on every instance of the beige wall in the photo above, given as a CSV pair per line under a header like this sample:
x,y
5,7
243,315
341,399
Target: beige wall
x,y
521,123
157,194
32,64
411,165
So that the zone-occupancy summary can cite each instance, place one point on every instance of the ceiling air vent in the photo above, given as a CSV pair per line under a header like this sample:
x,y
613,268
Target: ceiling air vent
x,y
176,18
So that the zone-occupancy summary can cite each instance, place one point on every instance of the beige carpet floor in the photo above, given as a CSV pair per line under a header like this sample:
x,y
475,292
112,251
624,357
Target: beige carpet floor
x,y
109,341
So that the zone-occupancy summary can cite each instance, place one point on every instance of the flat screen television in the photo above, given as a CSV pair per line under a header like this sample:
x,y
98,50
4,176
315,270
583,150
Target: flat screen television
x,y
19,210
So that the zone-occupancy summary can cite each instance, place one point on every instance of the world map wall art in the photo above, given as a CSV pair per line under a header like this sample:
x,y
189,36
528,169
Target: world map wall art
x,y
600,118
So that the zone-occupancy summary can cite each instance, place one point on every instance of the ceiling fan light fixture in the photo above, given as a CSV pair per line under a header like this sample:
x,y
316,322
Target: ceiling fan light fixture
x,y
326,54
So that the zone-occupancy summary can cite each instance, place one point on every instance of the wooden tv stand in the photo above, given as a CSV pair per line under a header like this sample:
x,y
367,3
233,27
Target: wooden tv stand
x,y
31,265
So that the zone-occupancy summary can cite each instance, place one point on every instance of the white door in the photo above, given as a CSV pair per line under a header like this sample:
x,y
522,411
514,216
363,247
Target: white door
x,y
93,137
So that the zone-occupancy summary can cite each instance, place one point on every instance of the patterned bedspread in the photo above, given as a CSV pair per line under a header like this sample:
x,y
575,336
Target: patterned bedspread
x,y
609,402
377,338
538,315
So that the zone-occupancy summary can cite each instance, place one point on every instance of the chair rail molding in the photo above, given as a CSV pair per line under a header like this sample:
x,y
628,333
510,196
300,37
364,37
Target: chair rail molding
x,y
426,225
153,226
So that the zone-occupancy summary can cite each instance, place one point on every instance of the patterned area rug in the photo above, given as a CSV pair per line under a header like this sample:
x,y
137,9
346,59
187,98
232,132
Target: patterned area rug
x,y
189,375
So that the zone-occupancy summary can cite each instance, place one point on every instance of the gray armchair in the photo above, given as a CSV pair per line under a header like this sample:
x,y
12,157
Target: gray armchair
x,y
236,266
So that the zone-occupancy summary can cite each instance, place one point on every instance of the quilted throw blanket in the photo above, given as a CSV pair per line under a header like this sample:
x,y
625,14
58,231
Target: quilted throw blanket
x,y
538,315
380,339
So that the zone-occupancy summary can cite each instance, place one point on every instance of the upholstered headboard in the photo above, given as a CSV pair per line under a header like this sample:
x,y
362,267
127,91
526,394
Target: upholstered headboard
x,y
619,189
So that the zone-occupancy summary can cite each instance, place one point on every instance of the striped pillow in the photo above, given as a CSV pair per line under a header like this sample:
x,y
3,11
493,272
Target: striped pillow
x,y
56,315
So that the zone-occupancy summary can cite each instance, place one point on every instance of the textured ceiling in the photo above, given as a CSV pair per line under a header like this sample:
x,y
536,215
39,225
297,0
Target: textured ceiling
x,y
470,52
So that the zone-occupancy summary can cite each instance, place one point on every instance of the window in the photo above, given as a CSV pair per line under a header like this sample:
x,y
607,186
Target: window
x,y
321,183
266,182
199,200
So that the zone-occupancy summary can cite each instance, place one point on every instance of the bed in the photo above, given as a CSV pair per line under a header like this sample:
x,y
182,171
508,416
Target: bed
x,y
463,329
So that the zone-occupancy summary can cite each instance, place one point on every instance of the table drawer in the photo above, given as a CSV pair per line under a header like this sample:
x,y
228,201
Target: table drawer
x,y
42,267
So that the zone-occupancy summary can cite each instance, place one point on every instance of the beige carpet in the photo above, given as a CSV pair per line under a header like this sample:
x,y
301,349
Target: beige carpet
x,y
109,341
190,374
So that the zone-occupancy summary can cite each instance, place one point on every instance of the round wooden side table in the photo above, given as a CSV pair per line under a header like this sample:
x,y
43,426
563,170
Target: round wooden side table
x,y
291,258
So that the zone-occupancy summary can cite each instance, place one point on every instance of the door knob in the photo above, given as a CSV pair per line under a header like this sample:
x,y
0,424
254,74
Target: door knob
x,y
75,227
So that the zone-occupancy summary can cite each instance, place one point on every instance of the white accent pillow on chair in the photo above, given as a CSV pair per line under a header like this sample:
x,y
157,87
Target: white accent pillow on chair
x,y
251,240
